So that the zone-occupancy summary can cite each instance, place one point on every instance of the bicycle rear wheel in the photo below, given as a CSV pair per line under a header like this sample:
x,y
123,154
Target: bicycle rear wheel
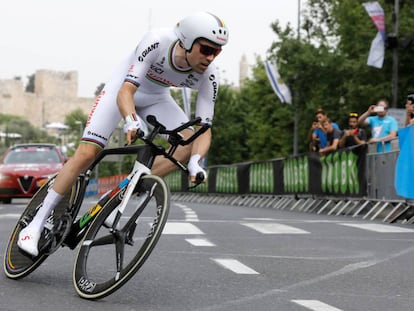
x,y
16,263
97,273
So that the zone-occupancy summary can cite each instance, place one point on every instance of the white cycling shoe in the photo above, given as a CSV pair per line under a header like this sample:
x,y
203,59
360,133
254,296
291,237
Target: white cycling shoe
x,y
28,240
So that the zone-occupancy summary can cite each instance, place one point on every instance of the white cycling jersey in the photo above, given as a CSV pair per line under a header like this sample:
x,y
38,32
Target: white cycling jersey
x,y
152,69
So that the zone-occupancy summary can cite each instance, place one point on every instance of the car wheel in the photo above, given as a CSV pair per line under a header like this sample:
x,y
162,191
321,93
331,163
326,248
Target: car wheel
x,y
6,201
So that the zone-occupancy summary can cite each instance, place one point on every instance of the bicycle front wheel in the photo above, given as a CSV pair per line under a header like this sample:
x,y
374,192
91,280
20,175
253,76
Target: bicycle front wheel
x,y
108,258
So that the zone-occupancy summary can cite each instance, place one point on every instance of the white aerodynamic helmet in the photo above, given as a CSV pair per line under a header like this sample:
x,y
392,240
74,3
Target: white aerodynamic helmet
x,y
201,25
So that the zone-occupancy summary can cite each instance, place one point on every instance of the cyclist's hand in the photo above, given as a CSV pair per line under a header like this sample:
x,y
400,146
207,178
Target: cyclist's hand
x,y
132,124
197,173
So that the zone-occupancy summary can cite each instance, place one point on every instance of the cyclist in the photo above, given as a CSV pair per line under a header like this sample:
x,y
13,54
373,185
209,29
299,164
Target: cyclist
x,y
139,87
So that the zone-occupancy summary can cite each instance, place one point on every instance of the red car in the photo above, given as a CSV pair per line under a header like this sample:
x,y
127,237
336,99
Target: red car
x,y
26,167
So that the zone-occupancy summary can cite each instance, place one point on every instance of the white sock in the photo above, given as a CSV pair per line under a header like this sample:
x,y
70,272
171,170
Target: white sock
x,y
49,203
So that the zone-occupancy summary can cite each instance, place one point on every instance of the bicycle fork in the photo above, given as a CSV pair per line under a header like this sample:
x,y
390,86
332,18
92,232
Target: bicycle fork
x,y
132,180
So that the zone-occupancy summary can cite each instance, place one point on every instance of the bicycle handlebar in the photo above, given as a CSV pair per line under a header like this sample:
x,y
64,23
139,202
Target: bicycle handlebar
x,y
175,139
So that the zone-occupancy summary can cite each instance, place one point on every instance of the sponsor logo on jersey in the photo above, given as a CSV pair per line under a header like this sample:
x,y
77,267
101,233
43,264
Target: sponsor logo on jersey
x,y
212,78
161,63
157,69
97,135
192,77
144,53
129,76
98,99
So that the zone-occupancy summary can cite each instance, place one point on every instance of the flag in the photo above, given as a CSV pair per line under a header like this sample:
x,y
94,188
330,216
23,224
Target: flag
x,y
404,170
376,13
377,50
280,88
186,93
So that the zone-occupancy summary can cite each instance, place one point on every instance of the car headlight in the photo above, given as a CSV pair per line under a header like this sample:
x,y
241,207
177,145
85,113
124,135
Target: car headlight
x,y
4,176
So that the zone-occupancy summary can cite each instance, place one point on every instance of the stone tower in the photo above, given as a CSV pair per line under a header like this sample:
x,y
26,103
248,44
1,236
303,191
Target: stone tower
x,y
244,70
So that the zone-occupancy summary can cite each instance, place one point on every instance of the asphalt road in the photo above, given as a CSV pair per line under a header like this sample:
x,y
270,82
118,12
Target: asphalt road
x,y
215,257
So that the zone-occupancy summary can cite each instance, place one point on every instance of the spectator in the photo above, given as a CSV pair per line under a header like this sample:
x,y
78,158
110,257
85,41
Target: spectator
x,y
409,109
383,128
316,135
352,136
333,135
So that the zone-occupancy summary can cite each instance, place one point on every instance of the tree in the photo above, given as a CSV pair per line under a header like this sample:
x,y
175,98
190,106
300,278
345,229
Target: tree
x,y
76,121
229,129
29,133
328,62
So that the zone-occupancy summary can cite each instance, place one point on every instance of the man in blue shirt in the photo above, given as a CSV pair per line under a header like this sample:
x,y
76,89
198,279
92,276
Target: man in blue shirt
x,y
317,135
383,128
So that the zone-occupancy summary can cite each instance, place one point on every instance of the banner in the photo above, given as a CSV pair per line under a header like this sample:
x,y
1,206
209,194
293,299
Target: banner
x,y
343,172
279,87
376,13
404,170
186,93
377,50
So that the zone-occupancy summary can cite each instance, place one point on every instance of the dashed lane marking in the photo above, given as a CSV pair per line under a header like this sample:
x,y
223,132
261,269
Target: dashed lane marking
x,y
235,266
200,242
190,215
315,305
181,228
274,228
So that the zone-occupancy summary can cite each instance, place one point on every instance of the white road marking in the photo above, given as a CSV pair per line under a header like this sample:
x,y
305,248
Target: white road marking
x,y
259,219
235,266
315,305
200,242
274,228
181,228
378,228
190,215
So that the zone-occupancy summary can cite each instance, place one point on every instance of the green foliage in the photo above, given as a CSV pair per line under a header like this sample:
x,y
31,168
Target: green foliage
x,y
229,143
324,67
28,133
327,67
268,123
76,121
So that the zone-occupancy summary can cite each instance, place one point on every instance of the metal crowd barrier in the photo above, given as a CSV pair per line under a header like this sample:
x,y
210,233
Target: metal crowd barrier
x,y
266,184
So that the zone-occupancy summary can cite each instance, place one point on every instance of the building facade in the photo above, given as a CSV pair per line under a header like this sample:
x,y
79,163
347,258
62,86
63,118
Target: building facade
x,y
55,96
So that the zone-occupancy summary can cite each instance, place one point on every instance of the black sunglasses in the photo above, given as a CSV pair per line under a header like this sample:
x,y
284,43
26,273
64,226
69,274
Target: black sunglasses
x,y
208,50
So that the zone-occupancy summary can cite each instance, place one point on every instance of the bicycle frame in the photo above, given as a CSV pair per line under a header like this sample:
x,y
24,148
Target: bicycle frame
x,y
145,156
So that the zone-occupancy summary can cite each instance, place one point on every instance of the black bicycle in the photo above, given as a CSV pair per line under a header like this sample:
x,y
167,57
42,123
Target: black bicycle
x,y
125,224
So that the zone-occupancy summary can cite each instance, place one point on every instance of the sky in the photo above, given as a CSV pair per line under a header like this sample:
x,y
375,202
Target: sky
x,y
92,36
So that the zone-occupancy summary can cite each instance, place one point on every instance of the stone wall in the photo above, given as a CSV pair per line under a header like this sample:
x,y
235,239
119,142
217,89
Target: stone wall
x,y
54,97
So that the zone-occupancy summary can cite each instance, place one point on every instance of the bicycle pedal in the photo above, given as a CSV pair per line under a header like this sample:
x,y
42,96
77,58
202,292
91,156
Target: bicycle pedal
x,y
55,237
